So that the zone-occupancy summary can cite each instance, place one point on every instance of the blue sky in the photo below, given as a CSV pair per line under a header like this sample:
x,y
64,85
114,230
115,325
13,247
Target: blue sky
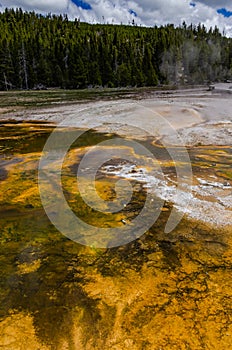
x,y
224,12
82,4
143,12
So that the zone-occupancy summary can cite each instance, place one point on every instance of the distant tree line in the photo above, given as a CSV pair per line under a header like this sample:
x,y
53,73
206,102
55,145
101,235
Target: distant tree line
x,y
52,51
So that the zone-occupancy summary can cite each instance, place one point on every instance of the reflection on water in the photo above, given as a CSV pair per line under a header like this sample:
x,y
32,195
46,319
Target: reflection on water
x,y
162,291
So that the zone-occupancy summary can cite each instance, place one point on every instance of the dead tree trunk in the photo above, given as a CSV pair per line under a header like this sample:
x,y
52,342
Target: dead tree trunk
x,y
24,65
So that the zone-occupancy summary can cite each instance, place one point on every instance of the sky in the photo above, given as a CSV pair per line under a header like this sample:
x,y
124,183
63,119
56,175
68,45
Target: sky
x,y
141,12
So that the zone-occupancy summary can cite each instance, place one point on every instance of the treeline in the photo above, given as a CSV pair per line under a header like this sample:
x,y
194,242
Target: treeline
x,y
38,51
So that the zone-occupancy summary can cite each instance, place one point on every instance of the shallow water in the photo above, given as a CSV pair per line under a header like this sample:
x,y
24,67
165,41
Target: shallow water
x,y
160,291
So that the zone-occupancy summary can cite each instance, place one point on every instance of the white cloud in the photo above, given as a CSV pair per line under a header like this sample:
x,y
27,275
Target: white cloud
x,y
37,5
216,3
149,12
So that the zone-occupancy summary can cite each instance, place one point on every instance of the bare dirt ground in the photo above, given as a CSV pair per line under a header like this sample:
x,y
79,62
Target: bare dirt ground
x,y
202,117
163,291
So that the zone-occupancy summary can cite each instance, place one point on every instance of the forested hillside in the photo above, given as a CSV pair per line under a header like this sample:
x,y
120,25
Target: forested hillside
x,y
54,52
